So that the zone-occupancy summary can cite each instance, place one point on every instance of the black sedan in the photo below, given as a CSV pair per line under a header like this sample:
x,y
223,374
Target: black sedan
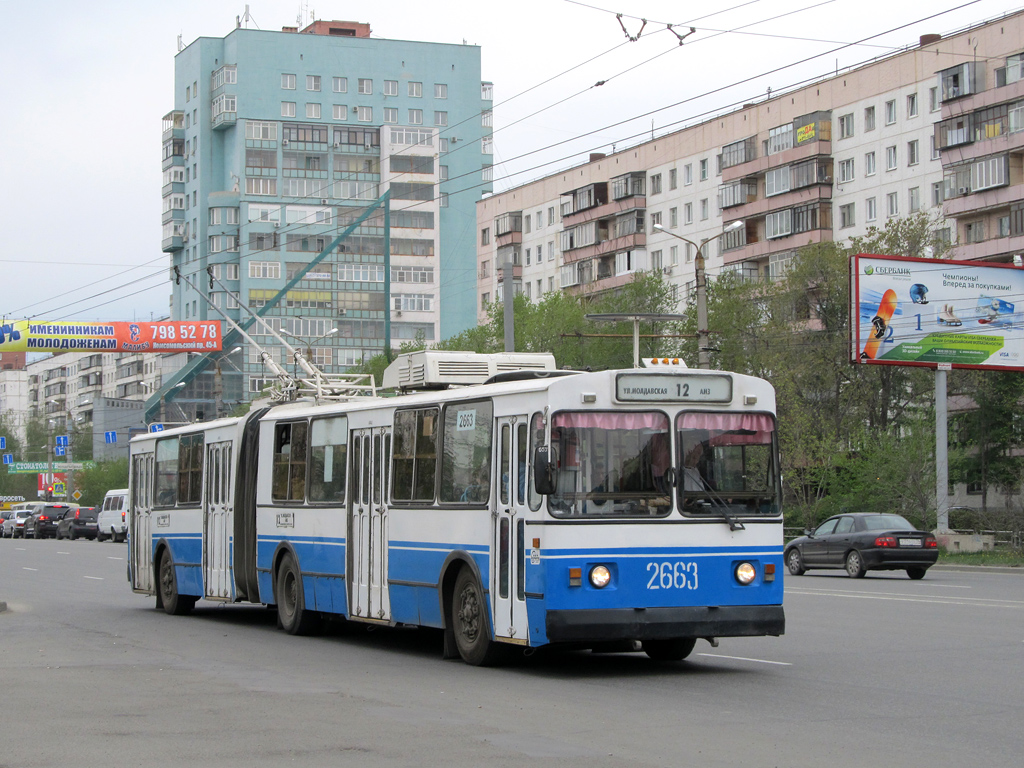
x,y
43,524
862,542
78,523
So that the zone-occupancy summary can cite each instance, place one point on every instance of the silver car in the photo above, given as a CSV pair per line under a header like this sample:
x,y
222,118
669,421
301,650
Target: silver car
x,y
14,526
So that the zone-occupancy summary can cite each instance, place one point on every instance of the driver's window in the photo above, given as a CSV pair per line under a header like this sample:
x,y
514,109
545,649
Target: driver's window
x,y
829,526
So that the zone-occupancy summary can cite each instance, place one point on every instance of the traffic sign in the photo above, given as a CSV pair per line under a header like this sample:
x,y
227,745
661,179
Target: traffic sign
x,y
76,495
111,437
32,467
59,489
156,427
3,443
59,451
8,458
62,440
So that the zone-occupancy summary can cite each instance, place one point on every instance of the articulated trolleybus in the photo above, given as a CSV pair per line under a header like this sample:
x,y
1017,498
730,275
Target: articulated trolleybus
x,y
505,502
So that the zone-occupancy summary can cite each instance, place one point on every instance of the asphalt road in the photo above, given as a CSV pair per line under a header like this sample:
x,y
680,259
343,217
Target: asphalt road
x,y
882,671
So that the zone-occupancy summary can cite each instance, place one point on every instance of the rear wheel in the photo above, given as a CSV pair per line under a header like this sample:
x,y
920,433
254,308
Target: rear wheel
x,y
795,562
73,535
292,615
671,649
855,565
470,624
916,573
100,536
172,603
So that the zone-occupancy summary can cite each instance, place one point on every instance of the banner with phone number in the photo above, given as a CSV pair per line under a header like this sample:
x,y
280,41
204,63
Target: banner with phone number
x,y
69,336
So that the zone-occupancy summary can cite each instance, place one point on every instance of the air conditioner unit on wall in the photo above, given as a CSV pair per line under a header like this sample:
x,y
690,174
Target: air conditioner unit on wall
x,y
963,190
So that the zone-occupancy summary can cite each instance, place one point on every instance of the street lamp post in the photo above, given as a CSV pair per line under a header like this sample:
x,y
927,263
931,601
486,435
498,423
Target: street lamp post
x,y
309,342
700,289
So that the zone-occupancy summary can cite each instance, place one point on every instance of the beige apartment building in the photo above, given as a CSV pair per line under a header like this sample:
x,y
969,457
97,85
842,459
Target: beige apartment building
x,y
936,127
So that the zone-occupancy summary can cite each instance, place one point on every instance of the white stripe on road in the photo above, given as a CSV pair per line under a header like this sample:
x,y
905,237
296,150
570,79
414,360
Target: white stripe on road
x,y
63,553
743,658
95,578
25,568
901,597
114,558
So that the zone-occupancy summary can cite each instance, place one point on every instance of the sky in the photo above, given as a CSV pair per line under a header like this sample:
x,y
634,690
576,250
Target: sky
x,y
88,82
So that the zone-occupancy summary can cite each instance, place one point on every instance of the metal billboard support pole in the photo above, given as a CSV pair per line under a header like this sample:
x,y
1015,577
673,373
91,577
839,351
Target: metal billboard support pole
x,y
941,451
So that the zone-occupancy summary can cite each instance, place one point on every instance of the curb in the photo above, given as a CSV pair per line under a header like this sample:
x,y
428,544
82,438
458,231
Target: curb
x,y
979,568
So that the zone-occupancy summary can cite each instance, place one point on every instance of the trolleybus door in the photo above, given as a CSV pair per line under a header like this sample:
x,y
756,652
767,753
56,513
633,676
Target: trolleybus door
x,y
508,550
140,534
370,450
217,521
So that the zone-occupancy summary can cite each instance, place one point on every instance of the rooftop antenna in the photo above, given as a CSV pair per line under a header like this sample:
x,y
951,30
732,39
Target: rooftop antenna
x,y
181,44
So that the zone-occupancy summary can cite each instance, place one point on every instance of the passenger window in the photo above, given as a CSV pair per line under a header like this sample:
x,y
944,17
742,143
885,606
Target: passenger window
x,y
466,453
190,469
415,455
289,478
328,449
845,525
536,439
167,472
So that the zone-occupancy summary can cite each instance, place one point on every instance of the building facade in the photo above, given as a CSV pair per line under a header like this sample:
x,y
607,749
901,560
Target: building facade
x,y
914,131
278,142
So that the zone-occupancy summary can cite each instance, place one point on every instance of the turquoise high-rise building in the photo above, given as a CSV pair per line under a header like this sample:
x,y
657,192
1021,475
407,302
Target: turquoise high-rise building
x,y
277,143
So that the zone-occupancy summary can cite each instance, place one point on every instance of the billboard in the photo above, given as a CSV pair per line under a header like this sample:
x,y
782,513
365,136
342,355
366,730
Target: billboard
x,y
927,312
71,336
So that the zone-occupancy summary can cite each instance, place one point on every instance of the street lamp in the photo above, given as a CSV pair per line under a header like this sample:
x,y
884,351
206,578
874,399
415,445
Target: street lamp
x,y
700,281
309,342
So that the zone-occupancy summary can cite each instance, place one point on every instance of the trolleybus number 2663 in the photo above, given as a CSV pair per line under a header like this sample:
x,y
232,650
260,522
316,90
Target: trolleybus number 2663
x,y
677,575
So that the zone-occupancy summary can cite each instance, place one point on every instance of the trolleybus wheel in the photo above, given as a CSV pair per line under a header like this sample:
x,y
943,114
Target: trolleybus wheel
x,y
671,649
292,615
173,603
470,624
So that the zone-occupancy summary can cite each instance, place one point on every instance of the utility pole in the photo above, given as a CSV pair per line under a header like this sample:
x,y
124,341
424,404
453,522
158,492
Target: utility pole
x,y
507,299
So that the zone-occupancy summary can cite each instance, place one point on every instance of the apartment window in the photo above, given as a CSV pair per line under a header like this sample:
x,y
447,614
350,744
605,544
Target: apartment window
x,y
704,209
416,90
440,91
340,112
937,196
486,118
989,172
934,149
287,109
312,82
673,217
846,216
934,105
540,219
485,236
914,199
528,256
846,126
655,220
364,114
312,111
913,152
704,170
415,117
688,213
487,145
259,186
365,86
869,119
673,178
551,250
527,224
288,82
872,209
869,164
974,232
260,129
777,181
270,270
892,204
390,87
339,84
440,118
390,115
778,224
780,139
911,105
846,170
890,158
1003,225
687,174
890,112
655,183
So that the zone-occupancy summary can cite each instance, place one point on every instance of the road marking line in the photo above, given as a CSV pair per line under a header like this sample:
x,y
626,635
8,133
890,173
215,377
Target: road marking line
x,y
95,578
63,553
25,568
114,558
857,593
973,601
744,658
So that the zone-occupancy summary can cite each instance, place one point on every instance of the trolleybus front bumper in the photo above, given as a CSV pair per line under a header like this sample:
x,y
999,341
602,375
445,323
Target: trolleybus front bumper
x,y
597,625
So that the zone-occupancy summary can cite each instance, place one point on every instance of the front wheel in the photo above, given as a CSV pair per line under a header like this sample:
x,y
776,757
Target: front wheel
x,y
671,649
916,573
795,562
172,603
292,615
470,624
855,565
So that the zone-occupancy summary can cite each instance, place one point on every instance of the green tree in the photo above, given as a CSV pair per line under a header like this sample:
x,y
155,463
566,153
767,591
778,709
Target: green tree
x,y
94,483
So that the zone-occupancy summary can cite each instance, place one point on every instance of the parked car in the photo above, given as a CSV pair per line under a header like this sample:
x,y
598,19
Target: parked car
x,y
14,526
78,523
43,523
861,542
113,518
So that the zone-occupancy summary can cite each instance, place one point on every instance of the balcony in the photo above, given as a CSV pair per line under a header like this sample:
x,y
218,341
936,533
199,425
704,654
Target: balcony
x,y
605,247
790,156
604,210
763,248
224,120
174,126
999,197
762,206
988,250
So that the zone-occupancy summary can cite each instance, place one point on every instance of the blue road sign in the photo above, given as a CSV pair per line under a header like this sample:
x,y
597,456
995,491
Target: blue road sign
x,y
3,443
59,451
62,440
8,458
111,437
156,427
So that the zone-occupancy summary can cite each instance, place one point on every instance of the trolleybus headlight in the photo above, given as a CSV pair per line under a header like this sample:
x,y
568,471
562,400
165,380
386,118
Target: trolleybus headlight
x,y
745,573
600,576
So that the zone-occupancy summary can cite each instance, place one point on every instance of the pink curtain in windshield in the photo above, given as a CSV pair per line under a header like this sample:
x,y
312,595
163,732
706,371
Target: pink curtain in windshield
x,y
722,422
611,420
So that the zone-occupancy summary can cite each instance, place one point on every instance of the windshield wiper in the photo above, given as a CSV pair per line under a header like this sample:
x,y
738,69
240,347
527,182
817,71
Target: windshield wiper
x,y
734,525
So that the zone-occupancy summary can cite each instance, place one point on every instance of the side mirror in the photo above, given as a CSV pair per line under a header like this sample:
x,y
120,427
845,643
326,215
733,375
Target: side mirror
x,y
543,471
808,532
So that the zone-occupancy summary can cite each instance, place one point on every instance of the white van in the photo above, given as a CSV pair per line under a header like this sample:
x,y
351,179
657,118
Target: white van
x,y
112,522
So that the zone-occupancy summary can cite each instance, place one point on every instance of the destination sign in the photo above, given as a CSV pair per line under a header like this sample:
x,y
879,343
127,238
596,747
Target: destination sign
x,y
673,388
